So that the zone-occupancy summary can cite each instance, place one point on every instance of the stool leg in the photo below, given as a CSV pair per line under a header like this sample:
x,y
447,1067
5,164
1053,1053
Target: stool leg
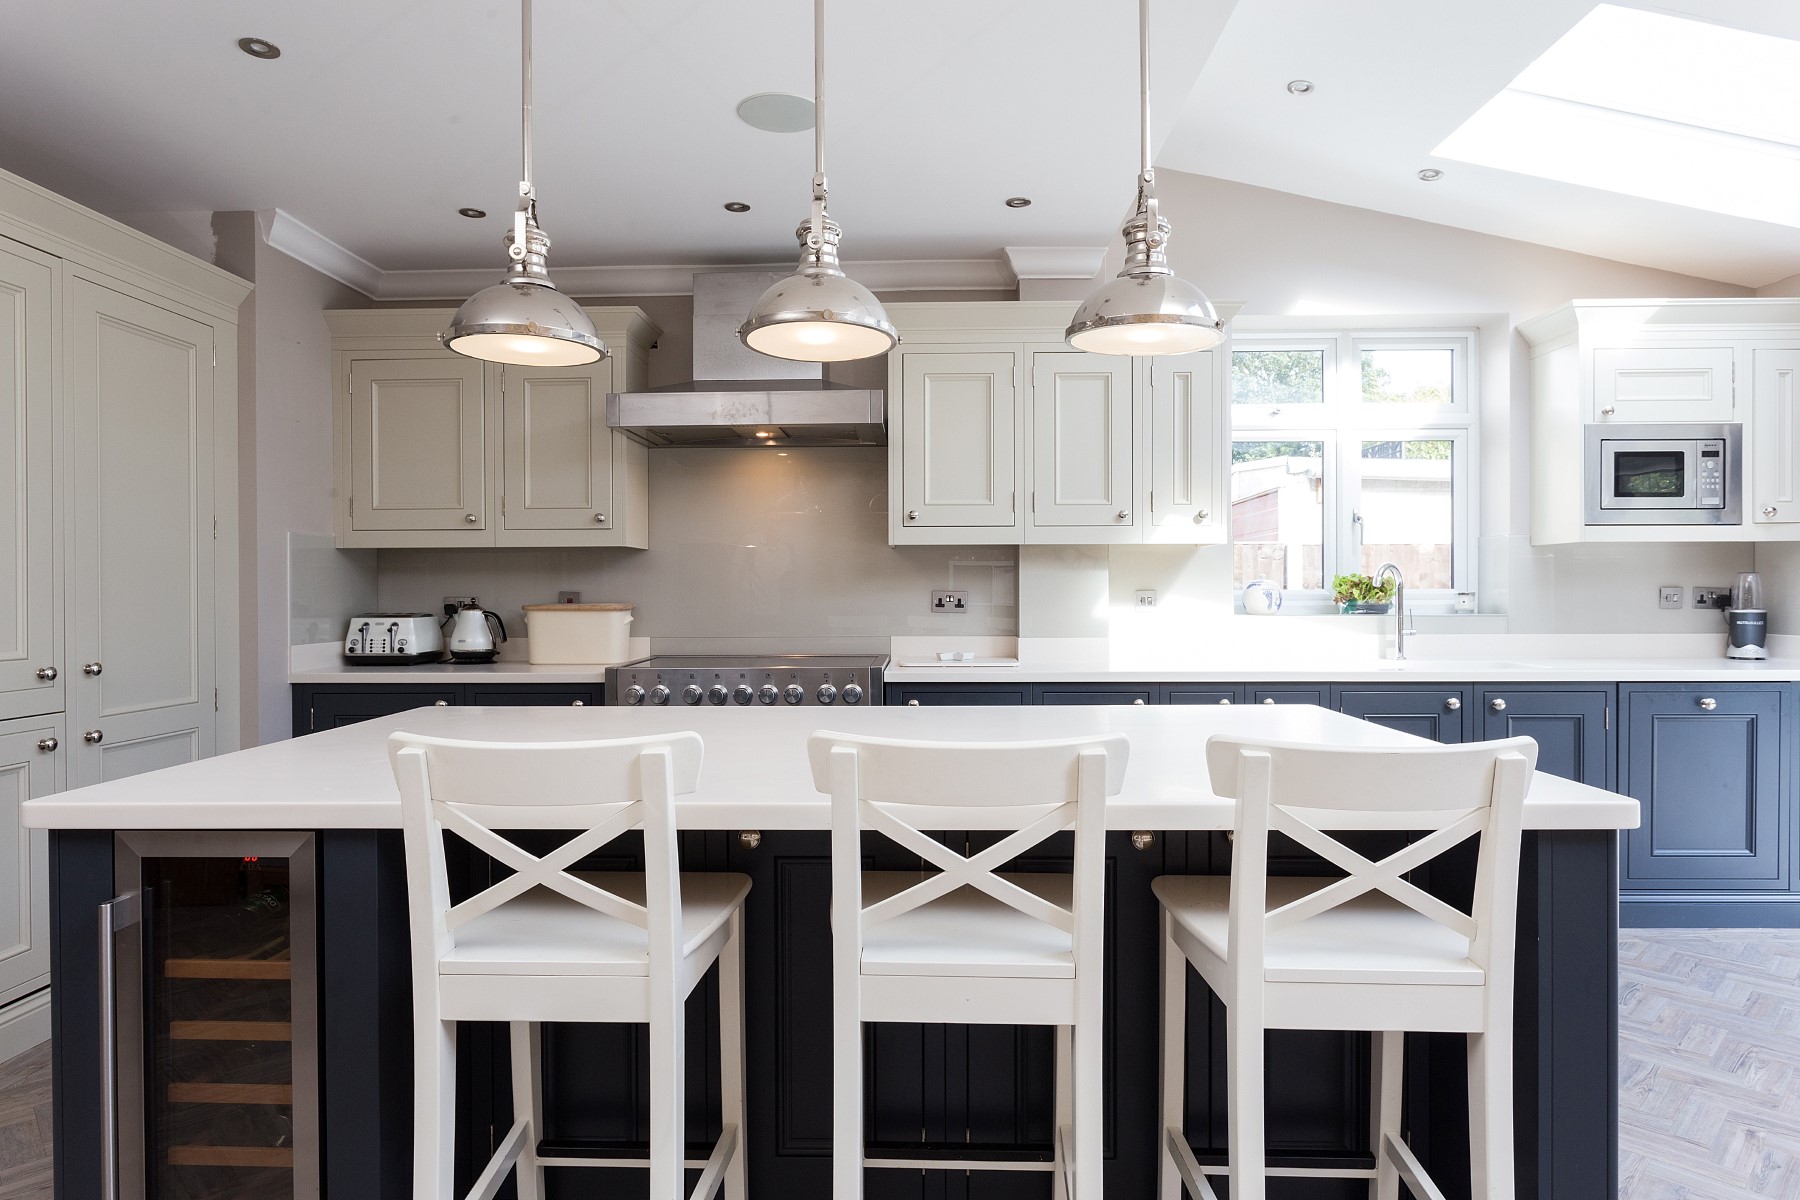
x,y
731,1053
434,1107
846,1099
1244,1136
1065,1110
1090,1163
1491,1113
668,1102
1386,1076
1173,1062
528,1101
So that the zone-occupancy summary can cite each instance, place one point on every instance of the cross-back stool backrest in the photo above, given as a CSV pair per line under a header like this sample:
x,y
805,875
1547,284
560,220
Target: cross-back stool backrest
x,y
1450,793
905,789
600,788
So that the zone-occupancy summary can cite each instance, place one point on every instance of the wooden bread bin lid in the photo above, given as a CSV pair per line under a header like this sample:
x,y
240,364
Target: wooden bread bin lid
x,y
607,606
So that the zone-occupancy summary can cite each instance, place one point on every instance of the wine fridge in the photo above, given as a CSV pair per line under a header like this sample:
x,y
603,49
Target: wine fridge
x,y
209,1022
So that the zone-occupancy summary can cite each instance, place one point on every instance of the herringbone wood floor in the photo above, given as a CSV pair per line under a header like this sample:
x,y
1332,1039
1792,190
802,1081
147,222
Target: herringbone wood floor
x,y
1709,1073
1709,1065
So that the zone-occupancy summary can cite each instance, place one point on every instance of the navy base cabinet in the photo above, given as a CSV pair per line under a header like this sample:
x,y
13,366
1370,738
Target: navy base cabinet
x,y
1571,725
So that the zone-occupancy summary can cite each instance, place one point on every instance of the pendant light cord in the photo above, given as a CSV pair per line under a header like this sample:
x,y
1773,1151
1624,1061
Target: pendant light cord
x,y
816,239
1143,85
525,187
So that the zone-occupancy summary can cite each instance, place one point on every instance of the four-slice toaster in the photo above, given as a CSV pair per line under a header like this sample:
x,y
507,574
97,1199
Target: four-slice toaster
x,y
393,638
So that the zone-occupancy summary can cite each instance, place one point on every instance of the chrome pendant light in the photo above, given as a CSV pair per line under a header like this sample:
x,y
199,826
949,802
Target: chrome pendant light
x,y
523,319
818,314
1147,309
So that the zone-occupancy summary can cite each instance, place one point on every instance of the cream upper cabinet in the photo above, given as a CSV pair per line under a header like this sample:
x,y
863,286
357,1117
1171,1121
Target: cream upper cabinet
x,y
958,420
1187,445
1774,451
30,646
418,447
30,754
142,624
1663,383
1083,449
435,449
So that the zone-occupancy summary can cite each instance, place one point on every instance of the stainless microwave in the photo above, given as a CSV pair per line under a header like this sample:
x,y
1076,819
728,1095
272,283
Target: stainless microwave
x,y
1665,474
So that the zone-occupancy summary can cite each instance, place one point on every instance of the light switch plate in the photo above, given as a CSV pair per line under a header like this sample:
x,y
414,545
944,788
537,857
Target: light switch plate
x,y
948,602
1146,598
1669,597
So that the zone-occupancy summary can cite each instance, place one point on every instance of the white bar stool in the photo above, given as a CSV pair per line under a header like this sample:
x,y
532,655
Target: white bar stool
x,y
546,944
968,944
1365,951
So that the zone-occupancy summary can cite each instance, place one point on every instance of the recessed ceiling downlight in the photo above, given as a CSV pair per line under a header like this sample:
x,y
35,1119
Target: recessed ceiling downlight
x,y
776,112
471,213
1018,202
736,206
1431,174
259,48
1300,87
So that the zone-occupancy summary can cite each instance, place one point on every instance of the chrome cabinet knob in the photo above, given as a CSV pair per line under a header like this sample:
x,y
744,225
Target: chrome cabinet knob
x,y
852,693
92,668
440,704
741,694
659,694
749,839
599,518
793,693
912,514
1142,839
1497,704
93,737
768,693
691,694
1769,511
48,745
472,519
1268,700
1708,703
1139,702
1200,517
47,674
1224,699
578,704
1453,704
1608,411
634,694
912,704
1124,514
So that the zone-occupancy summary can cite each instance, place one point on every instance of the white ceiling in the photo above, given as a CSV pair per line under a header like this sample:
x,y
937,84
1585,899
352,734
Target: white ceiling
x,y
1394,78
382,118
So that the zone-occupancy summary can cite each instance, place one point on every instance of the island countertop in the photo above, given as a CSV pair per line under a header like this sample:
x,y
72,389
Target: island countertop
x,y
755,773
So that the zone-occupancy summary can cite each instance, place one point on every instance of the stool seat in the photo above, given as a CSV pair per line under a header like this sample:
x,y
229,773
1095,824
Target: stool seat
x,y
1372,939
969,932
546,933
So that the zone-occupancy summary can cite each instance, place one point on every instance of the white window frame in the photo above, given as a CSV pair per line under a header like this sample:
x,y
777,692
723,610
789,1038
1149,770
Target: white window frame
x,y
1343,423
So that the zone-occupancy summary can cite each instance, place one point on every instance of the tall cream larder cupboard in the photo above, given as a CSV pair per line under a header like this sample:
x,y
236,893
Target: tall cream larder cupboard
x,y
118,565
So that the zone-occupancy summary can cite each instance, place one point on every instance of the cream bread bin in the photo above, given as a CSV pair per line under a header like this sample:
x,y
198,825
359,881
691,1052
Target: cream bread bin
x,y
578,633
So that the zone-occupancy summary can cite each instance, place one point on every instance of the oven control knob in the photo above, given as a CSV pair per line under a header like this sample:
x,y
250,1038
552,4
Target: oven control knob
x,y
793,693
634,694
659,694
768,693
691,694
716,694
852,693
741,694
826,693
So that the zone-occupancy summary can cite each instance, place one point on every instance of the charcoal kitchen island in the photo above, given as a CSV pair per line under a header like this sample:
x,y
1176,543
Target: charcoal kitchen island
x,y
326,806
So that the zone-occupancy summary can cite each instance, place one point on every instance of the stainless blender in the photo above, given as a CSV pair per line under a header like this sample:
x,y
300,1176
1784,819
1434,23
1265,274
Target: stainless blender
x,y
1746,620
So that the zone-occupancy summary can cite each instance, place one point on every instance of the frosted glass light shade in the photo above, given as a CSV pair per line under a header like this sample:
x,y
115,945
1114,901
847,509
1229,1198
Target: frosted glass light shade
x,y
818,315
1144,315
525,324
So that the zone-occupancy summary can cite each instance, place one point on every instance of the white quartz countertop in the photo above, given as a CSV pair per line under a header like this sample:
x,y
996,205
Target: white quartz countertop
x,y
755,774
1328,670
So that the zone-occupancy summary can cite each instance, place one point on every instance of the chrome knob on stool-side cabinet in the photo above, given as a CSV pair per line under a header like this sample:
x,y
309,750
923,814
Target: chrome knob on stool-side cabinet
x,y
793,693
852,693
634,694
1497,704
691,694
1268,700
768,693
741,694
826,694
912,704
1708,703
659,694
716,694
1453,703
440,704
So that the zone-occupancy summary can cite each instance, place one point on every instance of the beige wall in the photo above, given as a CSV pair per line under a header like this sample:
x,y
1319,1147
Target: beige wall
x,y
1781,287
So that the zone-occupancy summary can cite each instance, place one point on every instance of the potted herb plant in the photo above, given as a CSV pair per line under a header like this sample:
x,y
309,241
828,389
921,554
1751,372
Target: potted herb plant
x,y
1361,594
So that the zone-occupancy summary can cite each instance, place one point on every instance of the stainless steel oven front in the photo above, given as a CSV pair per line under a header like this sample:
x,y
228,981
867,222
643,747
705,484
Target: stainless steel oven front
x,y
1665,474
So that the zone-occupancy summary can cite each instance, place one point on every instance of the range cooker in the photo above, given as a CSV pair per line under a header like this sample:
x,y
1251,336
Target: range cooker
x,y
748,680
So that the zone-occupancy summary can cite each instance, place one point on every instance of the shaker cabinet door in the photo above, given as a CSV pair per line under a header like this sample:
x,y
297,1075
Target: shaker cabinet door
x,y
30,647
958,433
1431,711
418,446
559,450
1571,727
1186,499
1775,447
141,681
1663,383
1082,448
29,757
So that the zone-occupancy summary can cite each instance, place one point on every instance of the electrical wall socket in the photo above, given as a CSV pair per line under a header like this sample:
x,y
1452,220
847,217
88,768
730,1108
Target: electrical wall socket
x,y
1146,597
942,602
452,603
1712,597
1669,597
568,597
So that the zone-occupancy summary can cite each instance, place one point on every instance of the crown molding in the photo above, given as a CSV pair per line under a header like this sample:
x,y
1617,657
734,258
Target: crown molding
x,y
1055,262
300,241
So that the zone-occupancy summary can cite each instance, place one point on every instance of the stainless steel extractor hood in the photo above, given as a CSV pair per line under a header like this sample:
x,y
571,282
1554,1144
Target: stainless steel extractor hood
x,y
742,398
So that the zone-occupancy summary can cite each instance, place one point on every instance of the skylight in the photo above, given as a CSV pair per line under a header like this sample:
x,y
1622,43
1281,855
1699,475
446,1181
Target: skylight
x,y
1652,105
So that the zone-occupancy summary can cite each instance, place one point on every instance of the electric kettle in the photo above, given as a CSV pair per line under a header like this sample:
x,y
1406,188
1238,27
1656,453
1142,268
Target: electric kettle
x,y
472,630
